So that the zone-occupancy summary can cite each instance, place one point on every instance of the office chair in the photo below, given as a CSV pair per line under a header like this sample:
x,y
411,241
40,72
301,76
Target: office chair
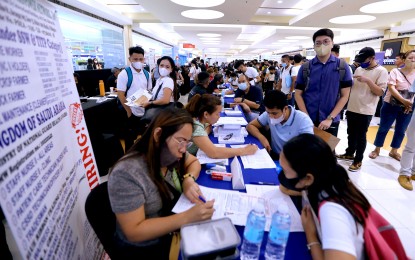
x,y
102,219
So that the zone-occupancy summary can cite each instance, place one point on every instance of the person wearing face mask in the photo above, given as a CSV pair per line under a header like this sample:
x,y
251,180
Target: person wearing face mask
x,y
283,121
140,80
194,71
205,110
145,184
317,93
250,98
270,79
286,82
370,83
251,73
309,165
397,105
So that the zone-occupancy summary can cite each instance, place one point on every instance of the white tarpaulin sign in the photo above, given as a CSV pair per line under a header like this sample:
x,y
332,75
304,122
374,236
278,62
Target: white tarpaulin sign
x,y
47,166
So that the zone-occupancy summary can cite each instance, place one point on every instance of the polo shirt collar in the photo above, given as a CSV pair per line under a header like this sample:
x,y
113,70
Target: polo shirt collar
x,y
290,120
316,60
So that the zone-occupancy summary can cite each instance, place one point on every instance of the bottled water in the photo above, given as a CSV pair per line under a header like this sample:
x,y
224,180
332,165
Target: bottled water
x,y
278,233
253,233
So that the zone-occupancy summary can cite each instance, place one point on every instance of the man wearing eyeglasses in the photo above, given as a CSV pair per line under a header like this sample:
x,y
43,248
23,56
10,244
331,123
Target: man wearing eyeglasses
x,y
318,88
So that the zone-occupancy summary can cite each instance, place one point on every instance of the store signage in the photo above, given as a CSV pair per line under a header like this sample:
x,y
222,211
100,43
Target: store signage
x,y
188,46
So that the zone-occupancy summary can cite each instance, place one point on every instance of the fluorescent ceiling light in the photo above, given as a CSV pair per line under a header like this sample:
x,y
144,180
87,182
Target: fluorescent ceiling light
x,y
352,19
287,40
211,43
207,38
203,14
280,2
199,3
209,34
297,37
389,6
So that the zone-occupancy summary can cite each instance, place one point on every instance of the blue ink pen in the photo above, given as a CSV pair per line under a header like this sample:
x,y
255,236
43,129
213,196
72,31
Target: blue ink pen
x,y
202,199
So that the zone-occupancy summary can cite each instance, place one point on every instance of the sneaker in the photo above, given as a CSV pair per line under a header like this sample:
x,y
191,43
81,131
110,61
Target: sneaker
x,y
413,177
405,182
355,167
345,157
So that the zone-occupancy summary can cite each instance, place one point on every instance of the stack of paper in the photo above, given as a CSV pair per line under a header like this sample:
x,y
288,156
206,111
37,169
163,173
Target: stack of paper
x,y
231,139
138,98
203,158
231,121
258,160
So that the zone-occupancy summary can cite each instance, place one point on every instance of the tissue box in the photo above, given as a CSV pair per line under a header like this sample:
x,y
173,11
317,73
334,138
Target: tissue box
x,y
214,239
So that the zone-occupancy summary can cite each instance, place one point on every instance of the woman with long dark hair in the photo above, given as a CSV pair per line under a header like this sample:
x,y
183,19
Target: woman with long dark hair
x,y
145,184
309,164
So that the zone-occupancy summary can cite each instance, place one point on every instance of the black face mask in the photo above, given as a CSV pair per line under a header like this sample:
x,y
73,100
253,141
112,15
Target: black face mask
x,y
289,183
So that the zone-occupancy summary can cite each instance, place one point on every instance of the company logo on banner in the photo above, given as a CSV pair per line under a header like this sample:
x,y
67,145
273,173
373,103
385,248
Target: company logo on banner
x,y
47,166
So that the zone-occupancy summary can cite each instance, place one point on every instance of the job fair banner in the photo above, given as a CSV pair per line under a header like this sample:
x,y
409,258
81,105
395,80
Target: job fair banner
x,y
47,166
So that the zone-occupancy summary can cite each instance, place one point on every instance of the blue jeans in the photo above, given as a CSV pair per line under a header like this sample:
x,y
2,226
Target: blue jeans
x,y
388,114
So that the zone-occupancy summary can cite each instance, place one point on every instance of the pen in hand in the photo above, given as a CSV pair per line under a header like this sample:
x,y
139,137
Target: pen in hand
x,y
202,199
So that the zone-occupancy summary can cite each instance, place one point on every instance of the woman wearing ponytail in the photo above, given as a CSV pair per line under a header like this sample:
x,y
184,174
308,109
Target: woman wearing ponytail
x,y
205,110
309,164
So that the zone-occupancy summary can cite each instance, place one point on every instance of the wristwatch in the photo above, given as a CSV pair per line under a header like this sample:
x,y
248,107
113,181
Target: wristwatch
x,y
330,117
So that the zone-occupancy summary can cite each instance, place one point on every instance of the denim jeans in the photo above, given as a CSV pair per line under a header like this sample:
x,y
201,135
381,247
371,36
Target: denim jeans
x,y
408,155
388,114
357,125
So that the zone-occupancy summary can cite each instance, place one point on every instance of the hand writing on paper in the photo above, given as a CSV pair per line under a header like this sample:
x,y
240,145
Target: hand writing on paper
x,y
250,149
192,191
265,144
200,212
308,222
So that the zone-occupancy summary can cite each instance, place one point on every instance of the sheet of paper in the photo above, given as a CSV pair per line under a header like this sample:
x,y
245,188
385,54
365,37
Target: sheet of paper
x,y
231,139
274,196
258,160
203,158
233,113
231,120
138,98
230,95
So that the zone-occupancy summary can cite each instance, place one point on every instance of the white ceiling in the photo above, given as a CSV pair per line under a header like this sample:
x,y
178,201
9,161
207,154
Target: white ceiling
x,y
256,26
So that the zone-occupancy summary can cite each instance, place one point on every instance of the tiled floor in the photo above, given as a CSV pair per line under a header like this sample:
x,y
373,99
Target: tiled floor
x,y
377,179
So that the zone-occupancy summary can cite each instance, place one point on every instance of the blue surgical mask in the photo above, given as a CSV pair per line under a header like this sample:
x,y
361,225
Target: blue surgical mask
x,y
365,65
242,86
284,65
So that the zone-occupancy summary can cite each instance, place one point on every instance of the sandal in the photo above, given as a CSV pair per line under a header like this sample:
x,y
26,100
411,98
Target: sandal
x,y
374,154
395,156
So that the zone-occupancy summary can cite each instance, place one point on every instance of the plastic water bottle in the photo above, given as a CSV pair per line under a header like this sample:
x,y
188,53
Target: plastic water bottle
x,y
278,233
253,233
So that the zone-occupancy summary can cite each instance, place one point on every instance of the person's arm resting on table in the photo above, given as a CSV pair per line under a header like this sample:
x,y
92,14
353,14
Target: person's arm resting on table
x,y
214,152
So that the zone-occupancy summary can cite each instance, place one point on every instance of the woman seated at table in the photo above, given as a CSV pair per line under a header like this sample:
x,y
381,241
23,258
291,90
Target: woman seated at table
x,y
144,185
205,111
309,164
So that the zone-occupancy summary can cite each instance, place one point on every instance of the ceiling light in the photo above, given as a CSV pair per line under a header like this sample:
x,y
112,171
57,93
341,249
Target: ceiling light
x,y
389,6
287,40
280,2
297,37
203,14
211,43
207,38
352,19
199,3
268,12
209,34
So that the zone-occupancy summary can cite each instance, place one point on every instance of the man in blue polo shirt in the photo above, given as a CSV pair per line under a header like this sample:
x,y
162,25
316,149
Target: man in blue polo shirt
x,y
320,95
283,121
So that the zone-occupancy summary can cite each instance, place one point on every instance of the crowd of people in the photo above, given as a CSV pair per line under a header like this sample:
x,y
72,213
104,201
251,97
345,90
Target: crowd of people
x,y
283,101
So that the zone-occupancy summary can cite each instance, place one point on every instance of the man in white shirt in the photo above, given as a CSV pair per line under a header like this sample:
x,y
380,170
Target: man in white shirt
x,y
286,82
140,80
250,72
370,82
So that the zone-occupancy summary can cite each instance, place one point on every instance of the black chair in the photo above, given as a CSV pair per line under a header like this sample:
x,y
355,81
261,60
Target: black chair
x,y
102,219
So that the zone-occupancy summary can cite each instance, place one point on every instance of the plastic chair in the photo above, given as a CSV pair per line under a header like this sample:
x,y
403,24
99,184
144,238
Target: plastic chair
x,y
102,219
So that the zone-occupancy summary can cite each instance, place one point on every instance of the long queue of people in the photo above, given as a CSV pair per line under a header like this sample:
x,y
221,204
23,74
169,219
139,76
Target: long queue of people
x,y
146,182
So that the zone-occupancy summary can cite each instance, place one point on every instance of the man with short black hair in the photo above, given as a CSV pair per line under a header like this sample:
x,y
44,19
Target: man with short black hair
x,y
250,72
250,98
399,60
283,121
202,85
215,83
286,82
318,94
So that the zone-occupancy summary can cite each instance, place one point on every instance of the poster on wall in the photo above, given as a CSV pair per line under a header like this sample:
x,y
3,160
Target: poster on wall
x,y
47,166
391,48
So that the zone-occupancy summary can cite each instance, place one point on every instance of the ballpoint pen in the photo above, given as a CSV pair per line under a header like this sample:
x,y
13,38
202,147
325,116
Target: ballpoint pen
x,y
263,183
202,199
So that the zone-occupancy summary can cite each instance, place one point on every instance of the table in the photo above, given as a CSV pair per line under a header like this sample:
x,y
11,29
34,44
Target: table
x,y
296,245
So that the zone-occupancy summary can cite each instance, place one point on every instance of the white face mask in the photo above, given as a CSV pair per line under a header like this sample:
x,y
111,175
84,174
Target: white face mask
x,y
410,64
137,65
323,50
242,86
278,120
164,72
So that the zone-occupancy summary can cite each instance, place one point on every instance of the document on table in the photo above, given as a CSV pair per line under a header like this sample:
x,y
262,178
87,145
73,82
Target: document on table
x,y
274,196
237,205
203,158
258,160
232,120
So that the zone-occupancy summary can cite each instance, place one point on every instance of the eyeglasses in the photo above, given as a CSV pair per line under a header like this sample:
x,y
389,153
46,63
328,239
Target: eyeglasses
x,y
183,144
325,43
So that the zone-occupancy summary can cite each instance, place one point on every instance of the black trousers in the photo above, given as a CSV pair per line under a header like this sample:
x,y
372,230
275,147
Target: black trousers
x,y
333,129
357,125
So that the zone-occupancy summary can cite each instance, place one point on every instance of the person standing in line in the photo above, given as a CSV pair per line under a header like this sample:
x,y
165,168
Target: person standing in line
x,y
194,70
318,95
407,171
399,60
294,73
397,105
251,73
286,83
370,83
